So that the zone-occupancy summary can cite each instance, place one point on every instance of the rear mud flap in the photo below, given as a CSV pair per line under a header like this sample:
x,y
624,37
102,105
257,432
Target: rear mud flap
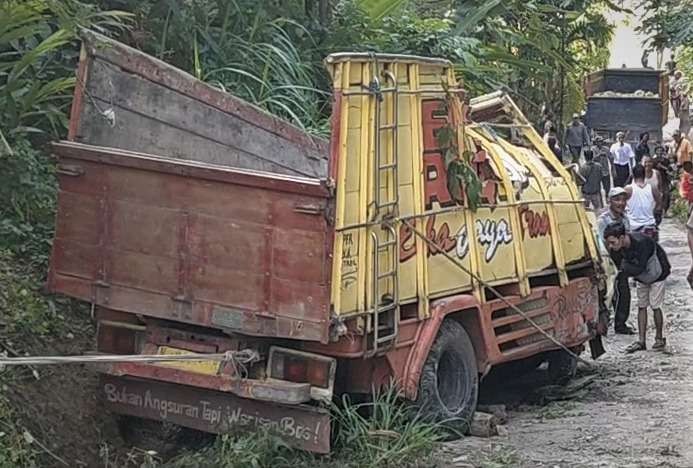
x,y
301,426
597,347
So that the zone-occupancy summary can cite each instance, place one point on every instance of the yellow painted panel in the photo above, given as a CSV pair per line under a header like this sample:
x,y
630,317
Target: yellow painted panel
x,y
430,74
448,230
536,229
501,245
355,74
201,367
495,237
409,275
351,179
354,116
569,228
405,174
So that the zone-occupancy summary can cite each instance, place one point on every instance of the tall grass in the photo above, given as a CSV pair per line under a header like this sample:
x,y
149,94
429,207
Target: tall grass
x,y
240,46
383,432
267,70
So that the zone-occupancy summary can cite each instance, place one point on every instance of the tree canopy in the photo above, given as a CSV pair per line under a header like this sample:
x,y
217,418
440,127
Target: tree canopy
x,y
271,52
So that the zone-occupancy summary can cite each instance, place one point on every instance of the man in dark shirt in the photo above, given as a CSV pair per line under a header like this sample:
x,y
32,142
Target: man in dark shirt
x,y
618,199
591,172
576,137
637,260
601,155
642,148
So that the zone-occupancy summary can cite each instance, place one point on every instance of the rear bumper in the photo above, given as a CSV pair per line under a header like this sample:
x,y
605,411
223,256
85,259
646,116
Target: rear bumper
x,y
270,390
302,426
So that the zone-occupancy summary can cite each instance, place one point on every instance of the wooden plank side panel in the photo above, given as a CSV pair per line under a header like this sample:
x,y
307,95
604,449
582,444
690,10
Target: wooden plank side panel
x,y
79,217
161,110
165,245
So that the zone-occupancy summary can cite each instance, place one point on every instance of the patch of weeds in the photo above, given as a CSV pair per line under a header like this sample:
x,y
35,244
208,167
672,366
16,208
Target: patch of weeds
x,y
25,314
258,450
557,410
501,458
384,432
16,449
28,190
134,458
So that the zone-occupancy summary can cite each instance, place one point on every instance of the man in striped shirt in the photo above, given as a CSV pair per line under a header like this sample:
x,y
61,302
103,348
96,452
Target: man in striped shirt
x,y
618,198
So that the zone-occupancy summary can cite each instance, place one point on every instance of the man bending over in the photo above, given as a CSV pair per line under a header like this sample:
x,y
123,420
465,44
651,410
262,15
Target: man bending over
x,y
644,260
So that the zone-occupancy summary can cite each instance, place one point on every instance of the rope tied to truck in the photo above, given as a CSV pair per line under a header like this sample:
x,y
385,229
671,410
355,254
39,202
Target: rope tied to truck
x,y
237,359
494,291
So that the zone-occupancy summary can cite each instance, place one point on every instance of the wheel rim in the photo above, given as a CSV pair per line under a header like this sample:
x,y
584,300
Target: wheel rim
x,y
451,384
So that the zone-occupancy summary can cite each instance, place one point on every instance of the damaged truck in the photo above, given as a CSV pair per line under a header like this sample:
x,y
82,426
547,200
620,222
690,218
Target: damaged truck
x,y
429,240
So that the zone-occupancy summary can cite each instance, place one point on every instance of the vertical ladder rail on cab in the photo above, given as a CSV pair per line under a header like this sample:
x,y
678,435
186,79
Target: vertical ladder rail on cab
x,y
385,311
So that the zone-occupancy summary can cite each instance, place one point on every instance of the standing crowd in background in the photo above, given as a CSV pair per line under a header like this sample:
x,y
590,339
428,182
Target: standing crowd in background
x,y
630,188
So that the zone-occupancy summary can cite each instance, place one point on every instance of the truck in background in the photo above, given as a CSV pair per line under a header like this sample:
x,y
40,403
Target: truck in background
x,y
193,221
632,100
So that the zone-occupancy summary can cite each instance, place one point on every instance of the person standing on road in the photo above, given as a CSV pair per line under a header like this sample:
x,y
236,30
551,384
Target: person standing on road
x,y
576,138
591,172
643,259
653,178
674,95
642,149
643,202
686,191
662,164
601,155
551,135
622,156
684,113
618,199
682,148
548,121
555,148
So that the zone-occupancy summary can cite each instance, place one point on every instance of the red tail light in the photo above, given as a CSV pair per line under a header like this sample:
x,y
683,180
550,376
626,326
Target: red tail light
x,y
302,367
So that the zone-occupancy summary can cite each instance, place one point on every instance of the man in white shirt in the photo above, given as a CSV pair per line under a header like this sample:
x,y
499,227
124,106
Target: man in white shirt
x,y
623,158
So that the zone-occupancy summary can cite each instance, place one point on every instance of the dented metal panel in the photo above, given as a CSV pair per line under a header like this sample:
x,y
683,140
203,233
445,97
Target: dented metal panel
x,y
529,222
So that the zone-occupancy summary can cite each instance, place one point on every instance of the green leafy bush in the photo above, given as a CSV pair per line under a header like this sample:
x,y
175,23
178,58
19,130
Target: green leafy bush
x,y
39,48
16,450
28,192
26,315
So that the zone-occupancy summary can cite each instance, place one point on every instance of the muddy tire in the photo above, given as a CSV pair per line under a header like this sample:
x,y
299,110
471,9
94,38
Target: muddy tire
x,y
562,366
449,383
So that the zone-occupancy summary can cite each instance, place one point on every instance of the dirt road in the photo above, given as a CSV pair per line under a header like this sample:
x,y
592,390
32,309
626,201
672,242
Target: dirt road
x,y
637,413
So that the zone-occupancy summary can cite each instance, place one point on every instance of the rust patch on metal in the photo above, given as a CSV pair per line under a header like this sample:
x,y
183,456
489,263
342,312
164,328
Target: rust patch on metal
x,y
76,109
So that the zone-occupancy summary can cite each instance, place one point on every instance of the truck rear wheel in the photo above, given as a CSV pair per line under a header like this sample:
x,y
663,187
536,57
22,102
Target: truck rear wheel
x,y
449,383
